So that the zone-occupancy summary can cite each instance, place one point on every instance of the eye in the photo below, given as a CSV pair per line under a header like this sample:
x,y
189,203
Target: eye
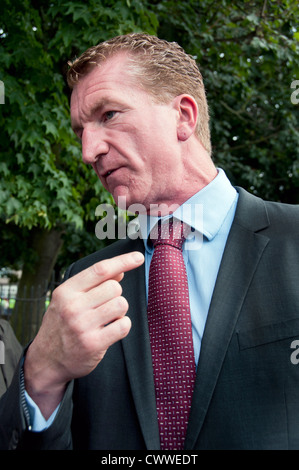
x,y
109,115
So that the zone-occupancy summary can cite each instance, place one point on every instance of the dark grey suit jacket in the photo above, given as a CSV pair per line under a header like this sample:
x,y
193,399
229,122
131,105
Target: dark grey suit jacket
x,y
247,387
13,351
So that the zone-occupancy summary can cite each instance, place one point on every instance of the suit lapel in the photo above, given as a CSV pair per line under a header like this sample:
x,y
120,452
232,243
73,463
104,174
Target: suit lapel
x,y
242,254
137,354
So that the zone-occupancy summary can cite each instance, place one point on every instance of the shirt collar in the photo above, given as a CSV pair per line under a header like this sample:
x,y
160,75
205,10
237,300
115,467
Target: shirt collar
x,y
205,211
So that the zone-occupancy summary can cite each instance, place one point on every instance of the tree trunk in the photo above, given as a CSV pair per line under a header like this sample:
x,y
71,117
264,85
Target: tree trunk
x,y
33,285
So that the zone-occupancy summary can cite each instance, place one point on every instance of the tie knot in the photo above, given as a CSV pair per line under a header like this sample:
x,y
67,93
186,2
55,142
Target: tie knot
x,y
171,232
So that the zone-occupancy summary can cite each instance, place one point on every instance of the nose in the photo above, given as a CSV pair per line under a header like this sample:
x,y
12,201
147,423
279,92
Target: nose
x,y
93,145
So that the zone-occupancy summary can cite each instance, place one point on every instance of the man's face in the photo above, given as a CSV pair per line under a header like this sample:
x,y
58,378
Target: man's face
x,y
130,140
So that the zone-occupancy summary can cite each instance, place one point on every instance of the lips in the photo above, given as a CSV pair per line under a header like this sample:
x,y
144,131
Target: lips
x,y
109,172
104,174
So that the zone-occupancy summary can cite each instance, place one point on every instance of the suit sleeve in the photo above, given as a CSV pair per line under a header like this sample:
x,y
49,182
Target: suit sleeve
x,y
14,426
13,351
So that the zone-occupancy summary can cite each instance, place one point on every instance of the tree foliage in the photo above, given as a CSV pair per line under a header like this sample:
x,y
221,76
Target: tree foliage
x,y
44,179
248,55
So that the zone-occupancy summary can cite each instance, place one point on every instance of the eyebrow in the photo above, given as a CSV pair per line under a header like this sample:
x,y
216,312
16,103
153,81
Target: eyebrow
x,y
98,106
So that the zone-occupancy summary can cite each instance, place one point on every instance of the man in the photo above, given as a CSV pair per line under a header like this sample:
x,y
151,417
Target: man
x,y
138,105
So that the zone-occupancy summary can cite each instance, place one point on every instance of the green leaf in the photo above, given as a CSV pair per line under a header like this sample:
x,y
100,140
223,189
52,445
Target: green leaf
x,y
4,169
51,128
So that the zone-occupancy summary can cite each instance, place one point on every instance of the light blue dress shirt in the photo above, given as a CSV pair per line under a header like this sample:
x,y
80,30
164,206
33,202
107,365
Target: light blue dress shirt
x,y
210,213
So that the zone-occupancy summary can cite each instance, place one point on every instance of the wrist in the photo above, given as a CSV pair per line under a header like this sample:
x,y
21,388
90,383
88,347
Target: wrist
x,y
42,383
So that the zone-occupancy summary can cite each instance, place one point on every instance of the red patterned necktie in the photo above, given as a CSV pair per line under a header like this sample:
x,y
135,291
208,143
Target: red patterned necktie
x,y
171,334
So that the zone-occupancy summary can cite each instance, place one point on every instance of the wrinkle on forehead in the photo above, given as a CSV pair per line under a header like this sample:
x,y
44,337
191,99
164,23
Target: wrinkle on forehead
x,y
102,77
110,83
117,65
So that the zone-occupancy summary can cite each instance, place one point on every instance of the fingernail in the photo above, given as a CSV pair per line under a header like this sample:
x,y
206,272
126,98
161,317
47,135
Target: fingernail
x,y
138,256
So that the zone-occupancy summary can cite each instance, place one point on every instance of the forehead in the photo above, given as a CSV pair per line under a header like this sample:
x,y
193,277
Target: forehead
x,y
108,78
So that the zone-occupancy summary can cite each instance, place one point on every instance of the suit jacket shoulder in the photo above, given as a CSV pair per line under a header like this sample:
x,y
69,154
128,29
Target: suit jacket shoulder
x,y
256,215
250,200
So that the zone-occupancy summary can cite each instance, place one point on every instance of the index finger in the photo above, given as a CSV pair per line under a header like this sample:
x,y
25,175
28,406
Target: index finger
x,y
104,270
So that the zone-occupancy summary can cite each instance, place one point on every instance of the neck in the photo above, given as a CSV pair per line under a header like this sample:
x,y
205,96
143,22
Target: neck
x,y
198,170
168,206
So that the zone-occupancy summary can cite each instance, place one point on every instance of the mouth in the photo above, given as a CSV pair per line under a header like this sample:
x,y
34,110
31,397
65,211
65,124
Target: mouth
x,y
108,173
105,174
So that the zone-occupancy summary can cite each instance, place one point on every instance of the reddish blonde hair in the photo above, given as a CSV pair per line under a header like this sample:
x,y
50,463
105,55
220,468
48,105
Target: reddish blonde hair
x,y
162,68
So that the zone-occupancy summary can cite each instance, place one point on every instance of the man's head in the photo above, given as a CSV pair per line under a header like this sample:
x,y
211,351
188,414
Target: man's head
x,y
163,69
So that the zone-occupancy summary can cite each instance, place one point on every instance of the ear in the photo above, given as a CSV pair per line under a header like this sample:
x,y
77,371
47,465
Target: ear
x,y
187,116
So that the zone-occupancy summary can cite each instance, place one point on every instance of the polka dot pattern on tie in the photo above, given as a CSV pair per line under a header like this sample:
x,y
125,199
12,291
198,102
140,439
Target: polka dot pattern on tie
x,y
171,334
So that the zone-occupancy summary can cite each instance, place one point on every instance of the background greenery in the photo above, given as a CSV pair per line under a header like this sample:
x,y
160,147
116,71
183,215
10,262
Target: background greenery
x,y
248,55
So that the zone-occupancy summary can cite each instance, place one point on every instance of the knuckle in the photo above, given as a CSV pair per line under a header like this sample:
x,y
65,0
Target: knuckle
x,y
122,304
117,307
86,344
101,269
69,317
62,296
124,326
56,294
114,287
